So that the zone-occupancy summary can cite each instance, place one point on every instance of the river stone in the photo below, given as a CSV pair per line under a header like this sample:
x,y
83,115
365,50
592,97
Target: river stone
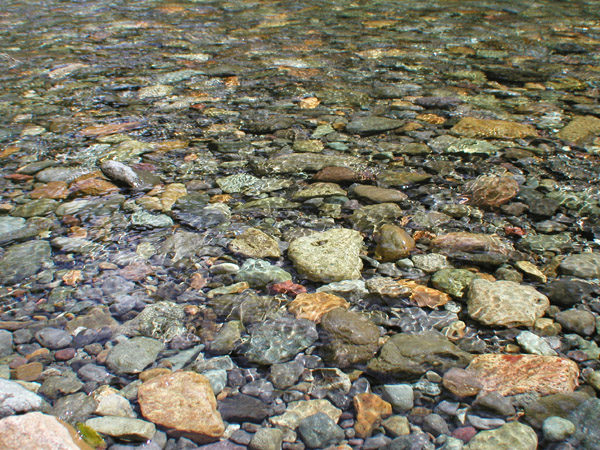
x,y
133,355
6,343
319,431
505,303
74,408
258,273
305,162
370,412
463,242
243,408
580,129
568,292
123,427
319,189
411,355
578,321
400,396
184,404
276,341
53,338
378,194
557,429
372,125
516,374
160,320
492,191
453,281
9,224
299,410
59,385
371,217
114,405
332,255
74,245
559,405
37,431
586,418
584,265
33,208
15,399
495,129
239,182
511,436
253,243
532,343
348,338
21,261
393,243
315,306
266,439
121,173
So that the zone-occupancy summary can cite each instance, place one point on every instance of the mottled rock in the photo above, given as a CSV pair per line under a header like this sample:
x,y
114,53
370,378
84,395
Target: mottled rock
x,y
319,431
371,217
463,242
160,320
299,410
279,340
15,399
586,418
515,374
37,431
21,261
305,162
184,404
315,306
453,281
332,255
370,412
495,129
583,265
121,173
266,439
258,273
243,408
349,338
410,355
513,436
133,355
393,243
532,343
253,243
372,125
580,129
492,191
285,374
319,189
578,321
505,303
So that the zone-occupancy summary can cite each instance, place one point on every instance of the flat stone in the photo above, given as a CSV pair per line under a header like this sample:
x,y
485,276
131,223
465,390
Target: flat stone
x,y
349,338
332,255
578,321
580,130
378,194
134,355
372,125
411,355
400,396
371,217
184,404
266,439
123,427
253,243
258,273
453,281
21,261
319,189
114,405
532,343
463,242
37,431
15,399
53,338
583,265
299,410
370,412
161,320
306,162
243,408
492,191
495,129
315,306
516,374
505,303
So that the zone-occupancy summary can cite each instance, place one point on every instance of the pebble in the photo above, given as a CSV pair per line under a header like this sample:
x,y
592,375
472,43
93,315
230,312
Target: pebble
x,y
557,429
319,431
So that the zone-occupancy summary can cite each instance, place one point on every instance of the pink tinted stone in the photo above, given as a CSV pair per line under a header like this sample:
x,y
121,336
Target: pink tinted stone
x,y
516,374
64,354
465,434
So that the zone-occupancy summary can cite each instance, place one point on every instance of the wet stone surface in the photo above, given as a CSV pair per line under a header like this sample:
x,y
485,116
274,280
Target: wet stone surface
x,y
291,225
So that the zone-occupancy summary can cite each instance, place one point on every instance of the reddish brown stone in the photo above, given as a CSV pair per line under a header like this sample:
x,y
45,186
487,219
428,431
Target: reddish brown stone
x,y
53,189
461,382
370,412
315,306
136,271
64,354
516,374
184,404
338,175
92,186
465,434
460,241
287,287
29,372
111,128
490,191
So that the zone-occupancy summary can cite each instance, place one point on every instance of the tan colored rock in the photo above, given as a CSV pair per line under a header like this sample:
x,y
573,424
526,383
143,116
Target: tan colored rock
x,y
370,412
580,129
378,194
531,271
461,382
253,243
29,372
123,427
97,318
491,191
184,404
87,185
37,431
315,306
337,175
299,410
461,241
319,189
516,374
53,189
171,194
495,129
393,243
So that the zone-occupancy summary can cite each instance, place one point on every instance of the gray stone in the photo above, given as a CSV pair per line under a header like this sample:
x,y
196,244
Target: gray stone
x,y
559,405
578,321
15,399
534,344
371,217
74,245
144,219
217,379
435,424
276,341
121,173
557,429
319,431
332,255
21,261
372,125
258,273
6,343
243,408
286,374
161,320
9,224
66,174
266,439
401,396
430,262
586,418
74,408
92,372
133,355
305,162
60,385
123,427
513,436
584,265
227,338
34,208
53,338
411,355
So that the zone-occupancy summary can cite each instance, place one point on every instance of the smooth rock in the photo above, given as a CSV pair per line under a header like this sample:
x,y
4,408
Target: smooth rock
x,y
516,374
393,243
184,404
400,396
332,255
298,410
21,261
15,399
578,321
580,129
371,217
319,431
133,355
377,194
505,303
243,408
123,427
512,436
583,265
372,125
532,343
266,439
557,429
258,273
53,338
286,374
495,129
6,343
253,243
315,306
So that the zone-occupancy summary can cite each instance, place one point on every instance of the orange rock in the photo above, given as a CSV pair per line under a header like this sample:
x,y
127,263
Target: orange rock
x,y
516,374
425,296
315,306
370,412
197,281
184,404
497,129
53,189
309,103
29,372
92,186
153,373
72,277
